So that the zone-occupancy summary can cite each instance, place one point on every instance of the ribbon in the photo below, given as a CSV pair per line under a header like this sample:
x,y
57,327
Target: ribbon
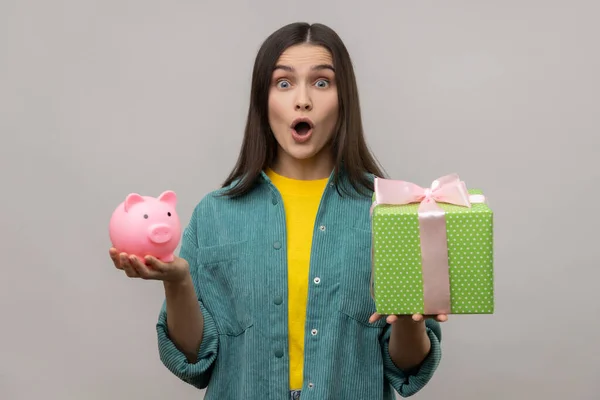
x,y
432,229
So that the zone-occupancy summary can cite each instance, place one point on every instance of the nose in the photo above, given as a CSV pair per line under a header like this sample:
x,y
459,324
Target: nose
x,y
303,106
303,102
159,233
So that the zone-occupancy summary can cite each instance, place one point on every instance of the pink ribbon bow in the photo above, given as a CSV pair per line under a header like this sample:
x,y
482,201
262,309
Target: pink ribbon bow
x,y
447,189
432,228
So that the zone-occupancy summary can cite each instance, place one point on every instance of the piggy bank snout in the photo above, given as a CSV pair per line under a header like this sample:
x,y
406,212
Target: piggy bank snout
x,y
160,233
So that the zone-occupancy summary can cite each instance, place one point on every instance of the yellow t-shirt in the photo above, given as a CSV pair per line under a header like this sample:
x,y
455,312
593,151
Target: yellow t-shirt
x,y
301,202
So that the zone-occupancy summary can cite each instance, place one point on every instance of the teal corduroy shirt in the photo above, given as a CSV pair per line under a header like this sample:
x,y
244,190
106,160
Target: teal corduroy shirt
x,y
236,249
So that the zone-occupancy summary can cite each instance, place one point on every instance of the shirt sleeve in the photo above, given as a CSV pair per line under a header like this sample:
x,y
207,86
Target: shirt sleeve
x,y
410,382
197,374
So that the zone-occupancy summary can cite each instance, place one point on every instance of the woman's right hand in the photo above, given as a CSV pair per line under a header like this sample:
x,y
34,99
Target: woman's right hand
x,y
174,272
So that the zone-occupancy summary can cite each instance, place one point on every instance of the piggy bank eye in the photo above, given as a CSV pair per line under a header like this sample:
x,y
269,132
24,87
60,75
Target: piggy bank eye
x,y
169,213
145,216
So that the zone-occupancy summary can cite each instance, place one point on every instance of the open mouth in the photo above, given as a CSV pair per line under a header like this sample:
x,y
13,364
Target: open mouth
x,y
302,127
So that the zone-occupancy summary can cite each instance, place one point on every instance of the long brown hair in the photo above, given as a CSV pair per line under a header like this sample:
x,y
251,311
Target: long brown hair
x,y
352,155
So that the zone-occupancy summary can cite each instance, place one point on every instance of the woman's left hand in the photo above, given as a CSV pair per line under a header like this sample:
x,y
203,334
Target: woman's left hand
x,y
391,319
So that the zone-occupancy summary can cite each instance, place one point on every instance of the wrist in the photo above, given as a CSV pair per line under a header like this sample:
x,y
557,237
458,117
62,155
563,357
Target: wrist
x,y
409,343
184,283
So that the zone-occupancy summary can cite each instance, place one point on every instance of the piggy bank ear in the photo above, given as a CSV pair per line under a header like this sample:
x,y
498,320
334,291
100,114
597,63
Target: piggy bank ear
x,y
168,197
131,200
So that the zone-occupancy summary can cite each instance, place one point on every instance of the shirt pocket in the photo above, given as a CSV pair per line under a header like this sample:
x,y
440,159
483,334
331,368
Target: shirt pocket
x,y
355,281
225,286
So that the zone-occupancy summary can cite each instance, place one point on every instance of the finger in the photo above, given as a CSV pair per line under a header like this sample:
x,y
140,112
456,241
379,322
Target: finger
x,y
391,319
142,270
375,317
439,317
417,317
130,272
114,256
155,264
126,266
123,261
442,318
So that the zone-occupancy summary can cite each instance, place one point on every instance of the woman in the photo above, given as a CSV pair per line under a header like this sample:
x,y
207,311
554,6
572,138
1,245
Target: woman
x,y
269,296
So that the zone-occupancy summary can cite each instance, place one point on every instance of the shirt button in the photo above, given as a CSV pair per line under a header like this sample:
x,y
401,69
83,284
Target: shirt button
x,y
277,245
317,280
314,332
322,227
274,200
278,353
278,300
311,385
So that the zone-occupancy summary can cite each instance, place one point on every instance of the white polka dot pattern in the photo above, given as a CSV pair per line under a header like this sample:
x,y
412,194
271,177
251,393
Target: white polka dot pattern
x,y
398,283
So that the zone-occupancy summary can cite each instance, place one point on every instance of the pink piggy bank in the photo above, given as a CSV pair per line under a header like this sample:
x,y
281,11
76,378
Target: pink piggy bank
x,y
144,225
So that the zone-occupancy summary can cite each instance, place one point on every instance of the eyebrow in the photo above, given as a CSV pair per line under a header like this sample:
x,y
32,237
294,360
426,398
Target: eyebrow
x,y
319,67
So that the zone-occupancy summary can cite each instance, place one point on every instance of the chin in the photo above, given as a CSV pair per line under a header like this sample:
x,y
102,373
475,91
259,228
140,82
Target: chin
x,y
301,154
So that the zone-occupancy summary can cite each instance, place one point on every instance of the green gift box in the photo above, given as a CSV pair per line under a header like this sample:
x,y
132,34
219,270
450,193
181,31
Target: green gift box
x,y
432,249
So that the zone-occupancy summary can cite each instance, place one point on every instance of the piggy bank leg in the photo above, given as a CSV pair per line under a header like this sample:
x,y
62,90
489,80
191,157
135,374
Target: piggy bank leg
x,y
168,258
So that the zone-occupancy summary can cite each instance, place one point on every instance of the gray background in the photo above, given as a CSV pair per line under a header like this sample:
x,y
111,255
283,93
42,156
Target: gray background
x,y
102,98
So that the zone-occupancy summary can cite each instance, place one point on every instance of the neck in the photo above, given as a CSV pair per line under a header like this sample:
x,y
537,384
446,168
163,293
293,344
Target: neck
x,y
318,167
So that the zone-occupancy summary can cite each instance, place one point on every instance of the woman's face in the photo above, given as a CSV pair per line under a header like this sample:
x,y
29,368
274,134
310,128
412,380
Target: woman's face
x,y
303,110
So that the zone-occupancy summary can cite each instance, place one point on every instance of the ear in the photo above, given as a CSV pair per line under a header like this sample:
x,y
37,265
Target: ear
x,y
131,200
168,197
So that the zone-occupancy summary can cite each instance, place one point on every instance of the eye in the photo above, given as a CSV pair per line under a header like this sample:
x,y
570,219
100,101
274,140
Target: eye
x,y
145,216
283,84
322,83
169,213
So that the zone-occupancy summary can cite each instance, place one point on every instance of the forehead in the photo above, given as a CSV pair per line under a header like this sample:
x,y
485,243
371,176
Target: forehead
x,y
305,55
